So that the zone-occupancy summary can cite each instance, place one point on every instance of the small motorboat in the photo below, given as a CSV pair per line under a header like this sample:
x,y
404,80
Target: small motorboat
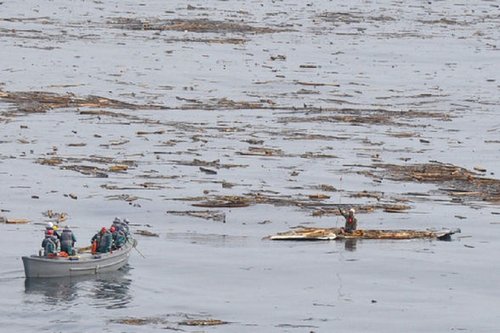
x,y
84,263
315,234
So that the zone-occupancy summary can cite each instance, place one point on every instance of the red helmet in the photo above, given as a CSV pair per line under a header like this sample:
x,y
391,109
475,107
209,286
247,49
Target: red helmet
x,y
112,229
50,232
103,230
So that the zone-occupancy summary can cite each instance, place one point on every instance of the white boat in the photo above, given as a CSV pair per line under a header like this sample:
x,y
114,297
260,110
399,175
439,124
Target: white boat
x,y
37,266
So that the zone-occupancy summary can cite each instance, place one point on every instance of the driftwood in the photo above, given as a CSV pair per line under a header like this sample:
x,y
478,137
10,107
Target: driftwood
x,y
146,233
14,221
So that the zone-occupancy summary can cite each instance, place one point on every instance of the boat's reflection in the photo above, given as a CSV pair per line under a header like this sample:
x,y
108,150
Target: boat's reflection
x,y
104,291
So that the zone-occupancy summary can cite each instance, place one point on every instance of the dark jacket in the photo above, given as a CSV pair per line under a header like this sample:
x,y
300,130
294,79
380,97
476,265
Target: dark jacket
x,y
105,242
67,241
351,223
119,239
49,245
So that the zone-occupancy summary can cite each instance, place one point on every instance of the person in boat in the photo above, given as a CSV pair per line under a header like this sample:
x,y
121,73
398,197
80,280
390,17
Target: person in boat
x,y
96,240
121,225
54,228
351,223
68,240
104,240
119,238
49,243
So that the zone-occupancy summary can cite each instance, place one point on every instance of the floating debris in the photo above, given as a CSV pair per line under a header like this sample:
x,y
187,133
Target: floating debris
x,y
203,322
118,168
191,25
460,182
14,220
260,151
39,101
215,215
302,233
146,233
319,196
208,171
54,216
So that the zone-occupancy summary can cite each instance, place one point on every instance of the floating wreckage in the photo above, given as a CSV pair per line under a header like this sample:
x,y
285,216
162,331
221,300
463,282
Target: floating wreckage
x,y
318,234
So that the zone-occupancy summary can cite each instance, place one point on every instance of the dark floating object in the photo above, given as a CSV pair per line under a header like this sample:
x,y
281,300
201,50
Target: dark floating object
x,y
208,171
315,234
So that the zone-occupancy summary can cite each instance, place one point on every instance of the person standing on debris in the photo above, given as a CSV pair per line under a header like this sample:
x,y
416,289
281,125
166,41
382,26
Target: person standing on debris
x,y
67,241
351,223
49,243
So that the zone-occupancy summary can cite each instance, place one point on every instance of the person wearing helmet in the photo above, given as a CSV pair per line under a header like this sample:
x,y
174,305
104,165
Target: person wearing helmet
x,y
49,243
118,238
121,225
54,228
351,223
104,240
97,239
68,240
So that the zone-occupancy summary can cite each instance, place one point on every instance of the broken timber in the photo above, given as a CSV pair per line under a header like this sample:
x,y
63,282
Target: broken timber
x,y
315,234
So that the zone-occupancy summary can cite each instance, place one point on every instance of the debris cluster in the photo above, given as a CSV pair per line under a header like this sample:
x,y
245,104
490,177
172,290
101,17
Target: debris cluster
x,y
40,101
458,182
191,25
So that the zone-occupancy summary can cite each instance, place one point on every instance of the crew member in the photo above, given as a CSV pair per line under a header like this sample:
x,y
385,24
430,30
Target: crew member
x,y
49,243
119,238
68,240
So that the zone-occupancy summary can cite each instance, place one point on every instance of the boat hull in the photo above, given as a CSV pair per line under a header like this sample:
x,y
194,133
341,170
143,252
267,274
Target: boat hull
x,y
83,264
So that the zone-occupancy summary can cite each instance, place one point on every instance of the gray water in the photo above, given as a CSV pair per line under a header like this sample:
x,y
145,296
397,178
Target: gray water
x,y
382,55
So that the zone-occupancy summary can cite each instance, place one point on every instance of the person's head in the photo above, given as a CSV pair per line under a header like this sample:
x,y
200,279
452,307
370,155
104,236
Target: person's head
x,y
117,220
50,232
352,211
112,229
103,230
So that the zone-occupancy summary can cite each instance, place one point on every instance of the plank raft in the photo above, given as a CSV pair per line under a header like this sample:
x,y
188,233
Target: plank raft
x,y
316,234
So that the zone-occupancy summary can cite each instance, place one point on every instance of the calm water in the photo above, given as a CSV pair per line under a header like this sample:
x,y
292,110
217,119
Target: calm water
x,y
430,57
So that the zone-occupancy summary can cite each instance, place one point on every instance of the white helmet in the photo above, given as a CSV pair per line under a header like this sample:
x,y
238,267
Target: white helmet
x,y
352,211
50,225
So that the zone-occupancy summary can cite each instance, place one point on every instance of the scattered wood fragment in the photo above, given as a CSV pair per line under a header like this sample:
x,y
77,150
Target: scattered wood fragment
x,y
260,151
460,182
225,201
191,25
215,215
208,171
203,322
319,196
118,168
40,101
56,217
146,233
151,132
15,220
